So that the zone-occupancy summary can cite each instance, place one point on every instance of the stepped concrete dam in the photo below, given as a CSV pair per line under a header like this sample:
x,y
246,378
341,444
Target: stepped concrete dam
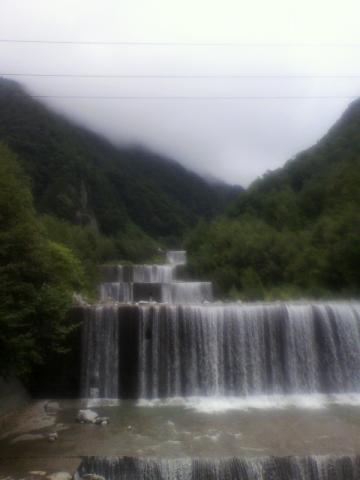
x,y
194,388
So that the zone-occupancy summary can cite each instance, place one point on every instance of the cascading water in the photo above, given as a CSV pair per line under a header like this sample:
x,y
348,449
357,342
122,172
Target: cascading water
x,y
266,468
100,354
134,283
176,257
187,292
153,273
116,291
185,347
231,350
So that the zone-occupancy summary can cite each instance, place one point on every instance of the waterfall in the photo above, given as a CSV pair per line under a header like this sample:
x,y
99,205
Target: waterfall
x,y
328,467
137,273
187,292
117,291
153,273
224,350
100,352
250,350
176,257
134,283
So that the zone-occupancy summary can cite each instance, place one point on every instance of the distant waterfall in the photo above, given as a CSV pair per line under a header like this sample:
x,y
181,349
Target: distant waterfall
x,y
116,291
153,273
267,468
155,283
187,292
175,292
137,273
224,350
176,257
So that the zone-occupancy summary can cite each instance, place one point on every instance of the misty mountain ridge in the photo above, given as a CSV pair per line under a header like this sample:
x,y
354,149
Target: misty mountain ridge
x,y
320,180
294,233
82,177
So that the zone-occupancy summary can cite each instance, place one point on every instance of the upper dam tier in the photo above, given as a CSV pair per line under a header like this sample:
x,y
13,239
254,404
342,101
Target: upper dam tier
x,y
152,283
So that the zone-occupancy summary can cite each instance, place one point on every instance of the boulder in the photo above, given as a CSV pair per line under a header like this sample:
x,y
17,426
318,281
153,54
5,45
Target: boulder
x,y
92,476
87,416
102,420
52,408
59,476
52,436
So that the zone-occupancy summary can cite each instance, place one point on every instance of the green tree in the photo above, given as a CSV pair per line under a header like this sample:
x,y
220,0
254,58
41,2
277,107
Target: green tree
x,y
37,278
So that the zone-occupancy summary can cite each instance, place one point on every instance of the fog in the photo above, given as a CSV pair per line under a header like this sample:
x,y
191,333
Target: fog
x,y
304,46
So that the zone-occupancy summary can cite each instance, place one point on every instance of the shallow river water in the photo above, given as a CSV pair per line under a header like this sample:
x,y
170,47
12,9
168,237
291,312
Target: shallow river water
x,y
277,426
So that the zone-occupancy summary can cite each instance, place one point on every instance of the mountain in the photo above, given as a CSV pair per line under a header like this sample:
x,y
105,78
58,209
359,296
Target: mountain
x,y
83,178
296,230
227,193
321,180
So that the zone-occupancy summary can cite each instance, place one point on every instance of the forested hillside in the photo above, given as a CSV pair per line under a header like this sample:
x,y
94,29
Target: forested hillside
x,y
83,178
70,200
295,231
37,277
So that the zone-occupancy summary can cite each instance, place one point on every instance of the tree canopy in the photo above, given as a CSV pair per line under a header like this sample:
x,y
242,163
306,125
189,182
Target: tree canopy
x,y
296,230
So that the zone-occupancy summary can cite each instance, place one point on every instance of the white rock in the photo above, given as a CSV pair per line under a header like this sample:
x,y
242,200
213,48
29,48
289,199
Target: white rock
x,y
92,476
102,420
60,476
52,408
52,437
87,416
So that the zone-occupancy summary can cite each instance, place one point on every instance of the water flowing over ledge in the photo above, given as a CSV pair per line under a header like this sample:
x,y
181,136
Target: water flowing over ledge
x,y
159,283
250,350
266,468
176,257
173,292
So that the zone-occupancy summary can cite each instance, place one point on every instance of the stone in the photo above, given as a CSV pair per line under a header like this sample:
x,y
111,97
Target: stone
x,y
92,476
129,428
102,420
52,436
59,476
52,408
37,473
87,416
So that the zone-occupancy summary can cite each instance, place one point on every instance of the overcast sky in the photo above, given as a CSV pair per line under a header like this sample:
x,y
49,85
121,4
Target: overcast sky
x,y
236,140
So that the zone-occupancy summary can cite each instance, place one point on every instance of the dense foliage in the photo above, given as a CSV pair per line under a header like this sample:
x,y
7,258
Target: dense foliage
x,y
70,200
83,178
294,232
37,278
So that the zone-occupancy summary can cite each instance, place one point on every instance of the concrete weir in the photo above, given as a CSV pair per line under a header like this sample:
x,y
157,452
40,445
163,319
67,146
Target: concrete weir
x,y
266,468
193,389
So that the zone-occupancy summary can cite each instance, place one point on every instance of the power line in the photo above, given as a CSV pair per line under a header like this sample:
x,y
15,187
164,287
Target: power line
x,y
194,97
182,77
179,44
